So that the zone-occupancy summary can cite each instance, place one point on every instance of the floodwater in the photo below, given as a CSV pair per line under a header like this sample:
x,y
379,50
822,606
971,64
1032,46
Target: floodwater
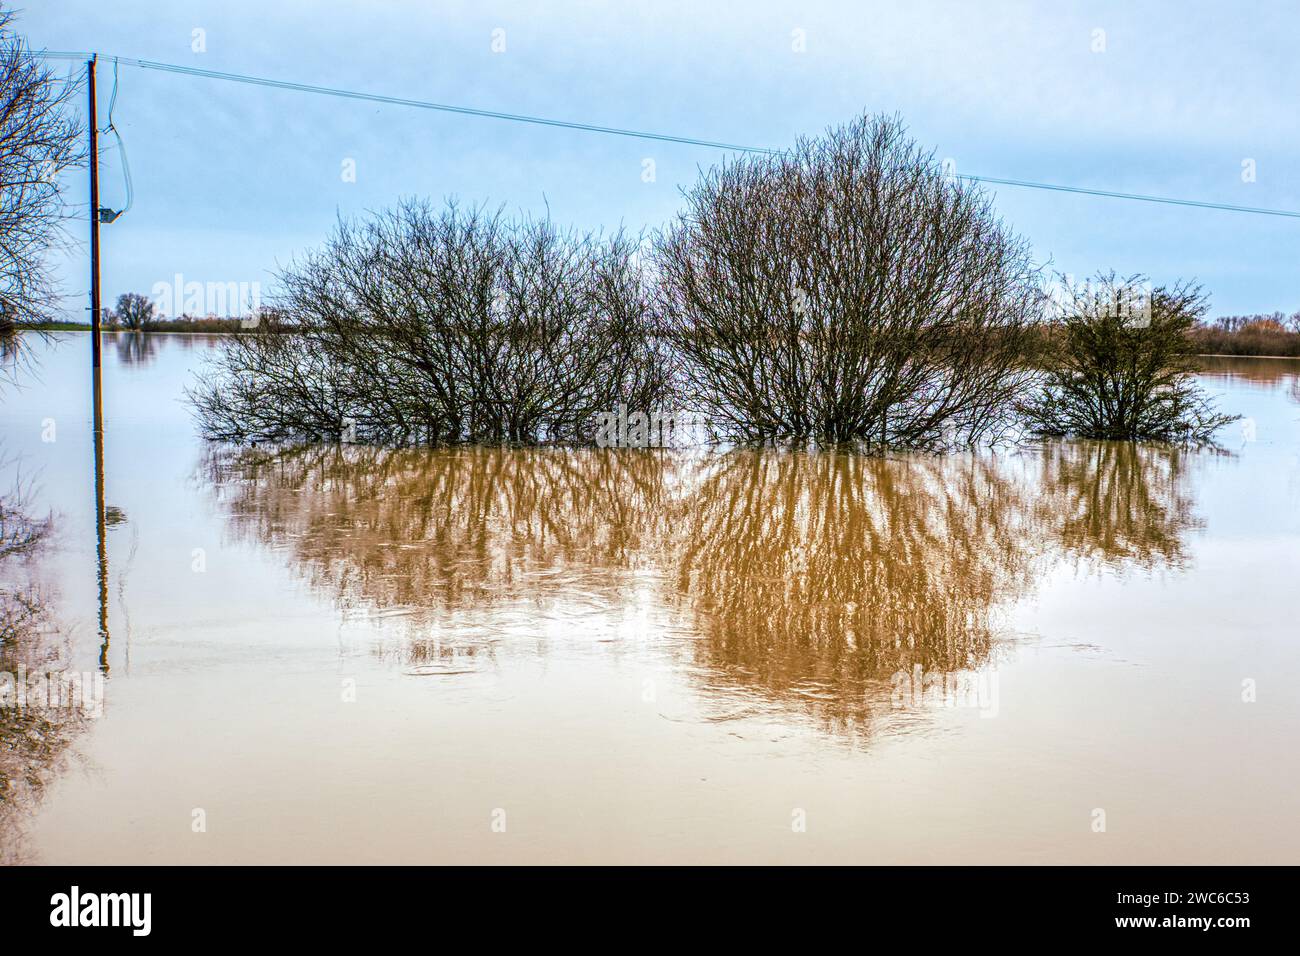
x,y
1074,652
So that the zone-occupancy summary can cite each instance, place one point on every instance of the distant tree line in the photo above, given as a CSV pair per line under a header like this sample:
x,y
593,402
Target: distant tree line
x,y
136,313
1272,334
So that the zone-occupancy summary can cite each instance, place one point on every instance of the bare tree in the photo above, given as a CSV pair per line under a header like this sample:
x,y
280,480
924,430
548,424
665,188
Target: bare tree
x,y
133,311
848,290
422,326
38,140
1122,365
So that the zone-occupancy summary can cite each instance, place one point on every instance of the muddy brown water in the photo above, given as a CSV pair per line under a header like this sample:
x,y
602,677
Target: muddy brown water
x,y
351,655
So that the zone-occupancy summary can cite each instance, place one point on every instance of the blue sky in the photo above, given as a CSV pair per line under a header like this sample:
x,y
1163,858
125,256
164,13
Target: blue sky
x,y
232,181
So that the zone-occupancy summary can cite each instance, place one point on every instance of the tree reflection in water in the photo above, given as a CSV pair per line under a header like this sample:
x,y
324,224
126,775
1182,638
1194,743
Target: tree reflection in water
x,y
458,546
1119,503
798,580
34,739
135,348
813,574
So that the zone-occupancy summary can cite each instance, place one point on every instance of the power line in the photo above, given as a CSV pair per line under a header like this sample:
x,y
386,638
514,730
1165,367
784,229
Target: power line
x,y
121,148
1137,197
418,104
634,134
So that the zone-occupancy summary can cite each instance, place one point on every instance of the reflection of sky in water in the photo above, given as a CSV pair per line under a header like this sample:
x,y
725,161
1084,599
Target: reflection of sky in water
x,y
655,656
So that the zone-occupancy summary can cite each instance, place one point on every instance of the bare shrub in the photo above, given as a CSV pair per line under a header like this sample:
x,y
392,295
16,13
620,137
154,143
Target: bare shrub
x,y
422,326
848,290
38,140
1121,371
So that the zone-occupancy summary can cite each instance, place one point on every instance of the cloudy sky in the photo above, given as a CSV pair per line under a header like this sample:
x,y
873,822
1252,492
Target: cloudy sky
x,y
231,181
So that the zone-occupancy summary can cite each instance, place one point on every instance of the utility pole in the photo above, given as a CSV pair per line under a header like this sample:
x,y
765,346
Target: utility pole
x,y
96,372
94,221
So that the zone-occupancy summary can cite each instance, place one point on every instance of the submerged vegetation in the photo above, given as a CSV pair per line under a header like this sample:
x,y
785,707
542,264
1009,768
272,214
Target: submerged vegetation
x,y
1120,367
426,326
845,291
849,290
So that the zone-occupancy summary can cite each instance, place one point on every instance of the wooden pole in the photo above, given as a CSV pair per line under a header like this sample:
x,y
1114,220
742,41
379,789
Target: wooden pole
x,y
94,218
96,373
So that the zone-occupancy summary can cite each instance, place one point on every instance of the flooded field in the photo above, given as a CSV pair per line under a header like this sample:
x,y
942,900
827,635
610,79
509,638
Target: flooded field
x,y
1069,652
